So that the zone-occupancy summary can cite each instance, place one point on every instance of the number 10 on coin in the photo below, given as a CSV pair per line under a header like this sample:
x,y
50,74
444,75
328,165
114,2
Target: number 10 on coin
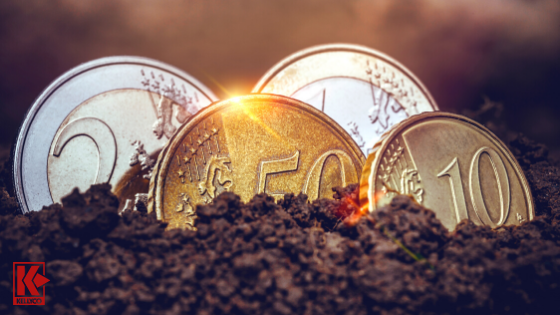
x,y
451,165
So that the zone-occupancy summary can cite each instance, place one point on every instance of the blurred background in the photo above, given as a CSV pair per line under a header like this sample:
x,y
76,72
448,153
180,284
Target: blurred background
x,y
463,51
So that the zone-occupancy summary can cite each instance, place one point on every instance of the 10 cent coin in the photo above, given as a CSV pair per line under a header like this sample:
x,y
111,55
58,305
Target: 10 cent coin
x,y
452,165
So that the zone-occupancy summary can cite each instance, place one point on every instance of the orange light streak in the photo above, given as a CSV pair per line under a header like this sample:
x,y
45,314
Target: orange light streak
x,y
219,85
362,211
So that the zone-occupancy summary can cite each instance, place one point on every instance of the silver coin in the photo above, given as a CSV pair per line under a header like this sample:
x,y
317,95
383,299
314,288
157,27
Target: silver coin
x,y
363,90
103,121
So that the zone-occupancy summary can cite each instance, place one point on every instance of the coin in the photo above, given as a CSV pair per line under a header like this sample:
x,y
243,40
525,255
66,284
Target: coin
x,y
452,165
363,90
97,121
249,145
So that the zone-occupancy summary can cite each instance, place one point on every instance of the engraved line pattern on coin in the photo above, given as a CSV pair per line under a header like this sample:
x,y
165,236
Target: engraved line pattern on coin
x,y
202,159
104,140
213,175
170,94
399,175
379,112
394,85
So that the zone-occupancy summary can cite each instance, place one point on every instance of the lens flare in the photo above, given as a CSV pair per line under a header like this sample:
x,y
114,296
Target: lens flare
x,y
219,85
360,212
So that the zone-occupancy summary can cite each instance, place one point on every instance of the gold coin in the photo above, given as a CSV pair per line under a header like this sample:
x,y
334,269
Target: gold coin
x,y
449,164
249,145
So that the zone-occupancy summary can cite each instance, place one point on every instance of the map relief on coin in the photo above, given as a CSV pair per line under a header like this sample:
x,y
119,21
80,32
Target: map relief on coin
x,y
385,97
250,145
392,97
170,94
201,167
140,156
363,90
398,174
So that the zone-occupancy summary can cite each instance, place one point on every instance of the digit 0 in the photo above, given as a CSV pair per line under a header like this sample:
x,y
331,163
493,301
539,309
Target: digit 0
x,y
311,185
347,172
502,181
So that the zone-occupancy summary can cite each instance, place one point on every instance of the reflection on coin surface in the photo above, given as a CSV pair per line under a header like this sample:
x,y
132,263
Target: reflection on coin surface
x,y
99,122
363,90
452,165
248,145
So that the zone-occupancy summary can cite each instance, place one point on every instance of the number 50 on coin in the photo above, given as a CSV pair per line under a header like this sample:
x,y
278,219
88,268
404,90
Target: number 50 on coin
x,y
249,145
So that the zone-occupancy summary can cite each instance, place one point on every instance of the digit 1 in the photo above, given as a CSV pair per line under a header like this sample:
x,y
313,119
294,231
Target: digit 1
x,y
323,101
314,100
452,170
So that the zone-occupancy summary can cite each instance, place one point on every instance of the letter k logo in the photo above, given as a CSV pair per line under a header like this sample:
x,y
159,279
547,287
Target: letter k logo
x,y
32,280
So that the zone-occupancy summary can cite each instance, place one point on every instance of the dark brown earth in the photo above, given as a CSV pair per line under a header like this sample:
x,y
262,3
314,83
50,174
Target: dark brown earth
x,y
293,257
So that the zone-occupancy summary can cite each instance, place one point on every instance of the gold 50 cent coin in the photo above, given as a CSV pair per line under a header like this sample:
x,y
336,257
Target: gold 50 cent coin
x,y
451,165
249,145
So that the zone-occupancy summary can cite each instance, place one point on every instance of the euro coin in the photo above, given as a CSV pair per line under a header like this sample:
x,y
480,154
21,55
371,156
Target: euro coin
x,y
452,165
363,90
248,145
102,122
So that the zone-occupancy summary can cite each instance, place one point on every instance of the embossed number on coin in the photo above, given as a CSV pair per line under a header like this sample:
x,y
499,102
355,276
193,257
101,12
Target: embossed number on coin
x,y
249,145
453,166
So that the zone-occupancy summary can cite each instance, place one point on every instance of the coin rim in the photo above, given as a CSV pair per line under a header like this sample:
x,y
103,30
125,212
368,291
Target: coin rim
x,y
387,138
29,117
313,50
164,160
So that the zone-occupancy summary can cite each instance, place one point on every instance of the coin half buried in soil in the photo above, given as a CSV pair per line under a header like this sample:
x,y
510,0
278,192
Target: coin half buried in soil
x,y
363,90
103,121
449,164
249,145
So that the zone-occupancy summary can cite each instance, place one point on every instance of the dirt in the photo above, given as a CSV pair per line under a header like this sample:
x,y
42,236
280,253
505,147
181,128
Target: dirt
x,y
291,257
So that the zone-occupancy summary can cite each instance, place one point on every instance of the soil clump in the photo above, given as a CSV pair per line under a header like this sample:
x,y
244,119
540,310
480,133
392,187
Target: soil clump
x,y
288,257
